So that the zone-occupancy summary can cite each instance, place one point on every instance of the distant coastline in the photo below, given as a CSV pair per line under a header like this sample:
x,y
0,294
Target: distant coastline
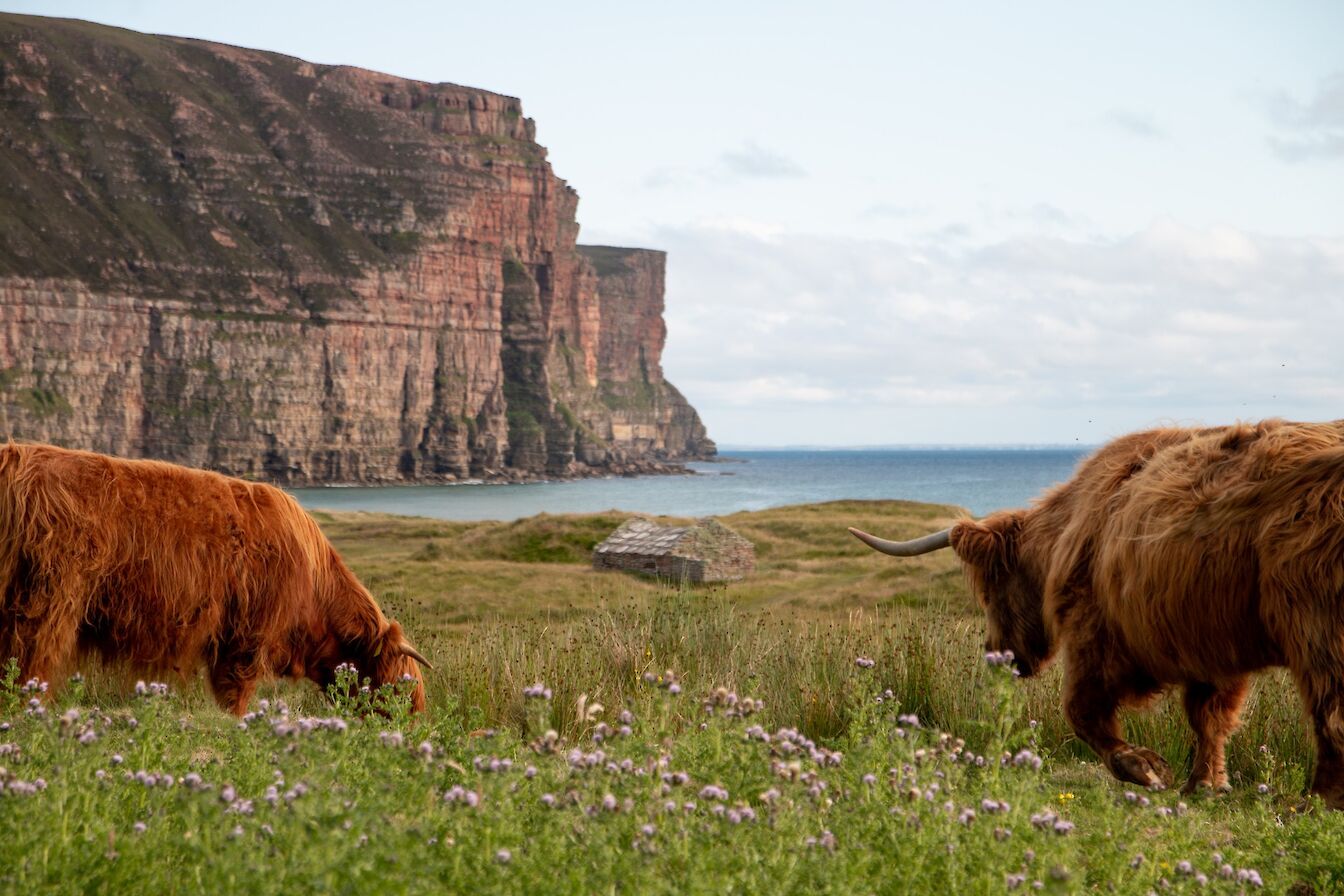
x,y
977,479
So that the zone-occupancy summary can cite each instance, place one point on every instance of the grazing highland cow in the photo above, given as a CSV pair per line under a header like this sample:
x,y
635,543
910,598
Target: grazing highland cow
x,y
167,568
1189,557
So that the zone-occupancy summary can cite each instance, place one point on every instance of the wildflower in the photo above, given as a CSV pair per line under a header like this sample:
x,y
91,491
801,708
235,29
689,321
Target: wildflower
x,y
1184,867
530,772
1043,820
548,800
870,779
713,792
609,802
1136,861
864,662
426,749
139,827
1025,758
1263,788
648,830
503,857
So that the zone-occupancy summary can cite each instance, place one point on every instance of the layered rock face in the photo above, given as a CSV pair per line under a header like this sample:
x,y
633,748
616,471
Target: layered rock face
x,y
239,260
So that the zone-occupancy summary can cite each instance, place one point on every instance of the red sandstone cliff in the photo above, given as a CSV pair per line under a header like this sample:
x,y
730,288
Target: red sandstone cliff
x,y
243,261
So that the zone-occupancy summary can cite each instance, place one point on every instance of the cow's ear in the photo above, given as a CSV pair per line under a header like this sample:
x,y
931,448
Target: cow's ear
x,y
988,544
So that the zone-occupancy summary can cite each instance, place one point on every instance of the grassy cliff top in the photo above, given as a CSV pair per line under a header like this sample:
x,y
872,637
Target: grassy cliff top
x,y
169,166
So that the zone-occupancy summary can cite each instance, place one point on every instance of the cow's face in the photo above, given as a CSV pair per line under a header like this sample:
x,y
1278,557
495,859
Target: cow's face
x,y
381,658
1006,588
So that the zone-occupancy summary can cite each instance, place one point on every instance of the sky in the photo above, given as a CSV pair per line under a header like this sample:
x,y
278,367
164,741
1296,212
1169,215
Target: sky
x,y
920,223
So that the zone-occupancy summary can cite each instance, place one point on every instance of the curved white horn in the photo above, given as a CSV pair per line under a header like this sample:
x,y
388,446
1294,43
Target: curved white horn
x,y
408,650
913,548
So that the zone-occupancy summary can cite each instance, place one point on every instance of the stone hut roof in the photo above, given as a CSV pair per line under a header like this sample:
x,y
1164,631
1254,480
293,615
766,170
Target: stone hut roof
x,y
705,552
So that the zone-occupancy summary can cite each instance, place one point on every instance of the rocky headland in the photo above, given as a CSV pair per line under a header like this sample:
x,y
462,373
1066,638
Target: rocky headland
x,y
304,273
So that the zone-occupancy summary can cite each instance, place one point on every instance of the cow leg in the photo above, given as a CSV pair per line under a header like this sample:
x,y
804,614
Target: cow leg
x,y
1324,696
51,646
1214,712
1091,708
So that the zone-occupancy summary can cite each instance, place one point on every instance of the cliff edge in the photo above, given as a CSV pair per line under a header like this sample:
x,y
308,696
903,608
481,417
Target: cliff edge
x,y
308,273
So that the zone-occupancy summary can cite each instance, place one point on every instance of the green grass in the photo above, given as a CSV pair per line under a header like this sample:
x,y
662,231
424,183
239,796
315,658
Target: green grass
x,y
500,606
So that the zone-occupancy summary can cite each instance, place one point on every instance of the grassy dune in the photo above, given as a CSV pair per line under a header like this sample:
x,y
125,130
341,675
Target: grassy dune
x,y
694,788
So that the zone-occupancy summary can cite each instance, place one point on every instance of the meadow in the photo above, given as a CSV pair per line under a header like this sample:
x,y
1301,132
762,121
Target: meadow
x,y
830,725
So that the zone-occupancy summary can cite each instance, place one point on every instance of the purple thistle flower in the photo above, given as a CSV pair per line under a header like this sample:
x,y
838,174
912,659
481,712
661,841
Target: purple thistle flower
x,y
503,856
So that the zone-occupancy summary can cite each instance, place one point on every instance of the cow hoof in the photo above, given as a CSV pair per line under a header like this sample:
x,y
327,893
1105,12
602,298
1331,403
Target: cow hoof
x,y
1140,765
1205,786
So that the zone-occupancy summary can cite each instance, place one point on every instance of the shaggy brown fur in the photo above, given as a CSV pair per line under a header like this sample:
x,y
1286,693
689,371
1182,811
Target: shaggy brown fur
x,y
167,568
1189,557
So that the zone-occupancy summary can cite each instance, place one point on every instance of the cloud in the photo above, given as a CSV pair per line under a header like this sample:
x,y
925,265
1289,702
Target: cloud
x,y
750,161
812,335
892,210
1135,124
1311,129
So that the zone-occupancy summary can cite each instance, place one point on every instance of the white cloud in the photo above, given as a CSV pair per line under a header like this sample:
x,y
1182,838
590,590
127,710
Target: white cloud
x,y
1169,322
1313,128
750,161
1136,124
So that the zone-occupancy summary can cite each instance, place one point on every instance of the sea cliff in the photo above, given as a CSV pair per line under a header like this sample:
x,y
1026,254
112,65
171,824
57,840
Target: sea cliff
x,y
308,273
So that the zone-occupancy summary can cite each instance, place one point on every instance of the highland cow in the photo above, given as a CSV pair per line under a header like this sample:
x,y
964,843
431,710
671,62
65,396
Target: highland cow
x,y
163,568
1189,557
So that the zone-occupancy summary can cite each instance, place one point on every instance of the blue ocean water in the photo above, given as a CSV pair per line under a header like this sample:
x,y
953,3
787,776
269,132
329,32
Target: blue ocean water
x,y
979,479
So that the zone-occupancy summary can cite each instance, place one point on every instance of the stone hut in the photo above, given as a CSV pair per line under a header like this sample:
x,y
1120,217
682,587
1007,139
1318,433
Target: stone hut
x,y
705,552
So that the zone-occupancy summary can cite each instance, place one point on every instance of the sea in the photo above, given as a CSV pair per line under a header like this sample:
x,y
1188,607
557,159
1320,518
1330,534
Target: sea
x,y
978,479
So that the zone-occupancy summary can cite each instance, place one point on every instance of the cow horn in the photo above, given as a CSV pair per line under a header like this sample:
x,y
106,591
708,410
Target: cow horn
x,y
912,548
408,650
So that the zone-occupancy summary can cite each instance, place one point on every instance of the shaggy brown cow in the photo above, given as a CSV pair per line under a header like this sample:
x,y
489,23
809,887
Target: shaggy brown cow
x,y
167,568
1189,557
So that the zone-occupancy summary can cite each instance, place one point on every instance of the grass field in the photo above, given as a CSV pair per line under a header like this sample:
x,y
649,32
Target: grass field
x,y
647,765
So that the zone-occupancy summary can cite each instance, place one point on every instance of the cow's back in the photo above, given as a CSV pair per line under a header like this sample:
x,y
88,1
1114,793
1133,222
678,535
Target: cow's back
x,y
163,560
1190,560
